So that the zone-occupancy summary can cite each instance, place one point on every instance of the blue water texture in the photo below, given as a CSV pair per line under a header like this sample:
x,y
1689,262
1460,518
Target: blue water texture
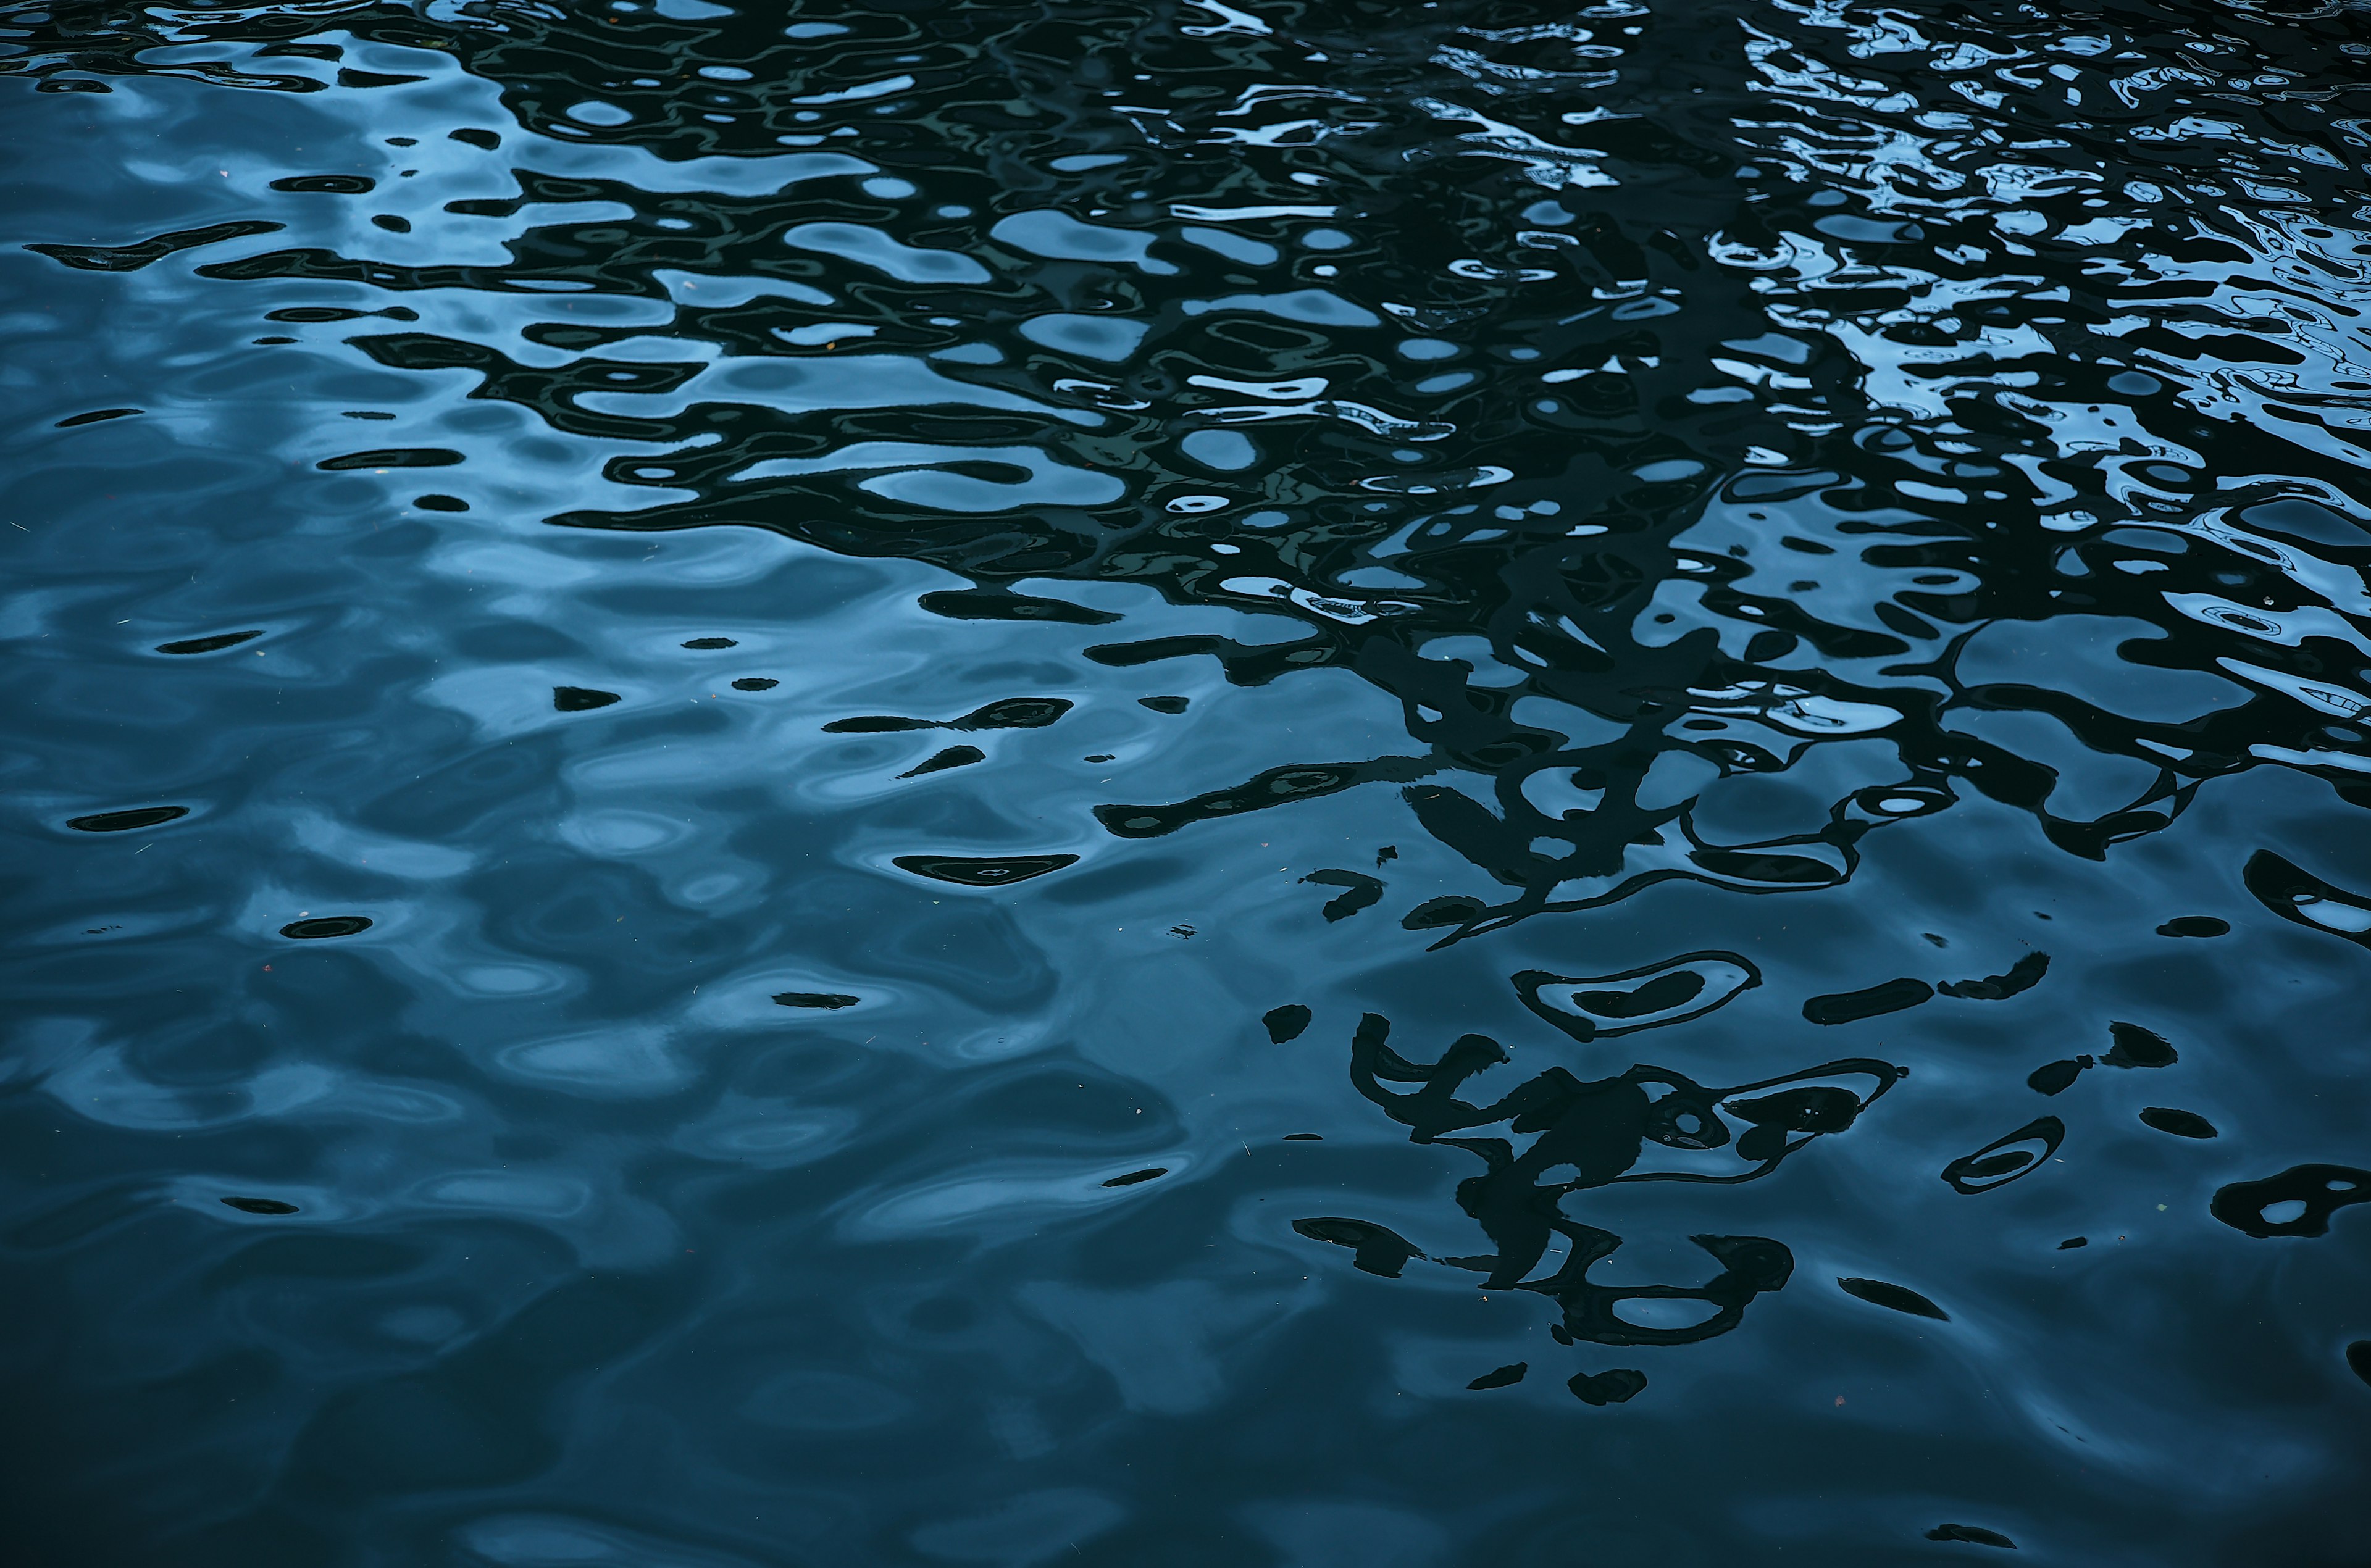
x,y
1270,783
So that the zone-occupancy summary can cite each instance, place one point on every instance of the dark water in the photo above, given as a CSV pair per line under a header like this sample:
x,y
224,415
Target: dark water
x,y
1297,784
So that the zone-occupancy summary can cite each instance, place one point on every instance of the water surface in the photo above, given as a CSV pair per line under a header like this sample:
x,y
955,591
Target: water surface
x,y
1302,784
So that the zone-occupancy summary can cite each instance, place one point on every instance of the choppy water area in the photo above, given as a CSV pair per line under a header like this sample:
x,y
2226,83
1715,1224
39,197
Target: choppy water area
x,y
1297,784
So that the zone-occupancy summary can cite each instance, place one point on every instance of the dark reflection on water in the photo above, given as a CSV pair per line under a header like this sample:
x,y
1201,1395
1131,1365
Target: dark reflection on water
x,y
529,1041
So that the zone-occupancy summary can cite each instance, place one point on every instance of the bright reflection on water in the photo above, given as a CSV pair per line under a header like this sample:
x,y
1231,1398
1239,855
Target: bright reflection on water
x,y
1287,783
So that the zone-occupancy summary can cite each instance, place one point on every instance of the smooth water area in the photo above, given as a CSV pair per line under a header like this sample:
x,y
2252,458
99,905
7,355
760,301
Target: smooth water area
x,y
1271,782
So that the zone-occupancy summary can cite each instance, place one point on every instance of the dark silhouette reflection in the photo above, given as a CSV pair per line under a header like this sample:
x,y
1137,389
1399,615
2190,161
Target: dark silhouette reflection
x,y
1285,1022
2022,975
1599,1130
1894,1297
2133,1046
2297,1202
1616,1387
1375,1249
1365,892
939,761
208,644
96,416
2181,1123
1871,1001
1679,536
1972,1535
1740,444
319,927
581,699
2295,893
971,870
1014,713
1674,991
2008,1157
126,821
2130,1046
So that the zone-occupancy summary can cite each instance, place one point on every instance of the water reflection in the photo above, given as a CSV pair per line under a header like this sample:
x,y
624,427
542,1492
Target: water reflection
x,y
1684,555
1599,1131
1424,510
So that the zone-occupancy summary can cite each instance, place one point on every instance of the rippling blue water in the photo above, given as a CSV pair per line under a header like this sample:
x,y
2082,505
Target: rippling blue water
x,y
1298,783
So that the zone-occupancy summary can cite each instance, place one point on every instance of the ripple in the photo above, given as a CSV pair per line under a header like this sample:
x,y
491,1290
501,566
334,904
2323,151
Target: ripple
x,y
1672,991
2010,1156
128,820
621,1062
324,926
1866,499
824,1401
982,870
